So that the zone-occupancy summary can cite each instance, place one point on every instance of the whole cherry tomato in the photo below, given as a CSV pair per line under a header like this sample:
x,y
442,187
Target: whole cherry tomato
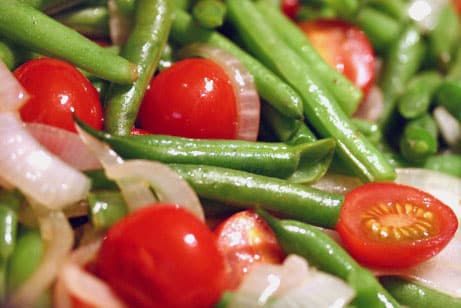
x,y
162,256
393,225
193,98
58,90
290,8
345,47
245,239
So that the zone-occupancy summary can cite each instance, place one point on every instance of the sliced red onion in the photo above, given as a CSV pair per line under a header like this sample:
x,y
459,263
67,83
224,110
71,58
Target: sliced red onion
x,y
119,24
12,94
65,144
371,108
449,126
59,238
36,172
242,81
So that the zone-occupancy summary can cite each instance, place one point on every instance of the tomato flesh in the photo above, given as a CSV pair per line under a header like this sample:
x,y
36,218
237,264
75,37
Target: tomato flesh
x,y
162,256
193,98
290,8
345,47
245,239
392,225
58,90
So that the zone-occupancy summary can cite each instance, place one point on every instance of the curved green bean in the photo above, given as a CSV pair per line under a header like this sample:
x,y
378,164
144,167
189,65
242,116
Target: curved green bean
x,y
92,21
105,208
209,13
446,163
419,140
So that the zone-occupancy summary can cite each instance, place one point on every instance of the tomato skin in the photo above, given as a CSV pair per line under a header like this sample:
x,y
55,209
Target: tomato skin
x,y
290,8
193,98
345,47
457,4
245,239
58,90
162,256
401,209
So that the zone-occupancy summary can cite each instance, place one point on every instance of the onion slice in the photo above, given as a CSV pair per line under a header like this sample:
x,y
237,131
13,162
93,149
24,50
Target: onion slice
x,y
64,144
425,13
39,174
371,108
119,25
12,94
449,126
59,237
242,82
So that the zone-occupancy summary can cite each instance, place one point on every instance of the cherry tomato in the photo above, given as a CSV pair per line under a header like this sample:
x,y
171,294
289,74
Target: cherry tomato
x,y
162,256
138,131
193,98
290,8
344,47
246,239
392,225
58,90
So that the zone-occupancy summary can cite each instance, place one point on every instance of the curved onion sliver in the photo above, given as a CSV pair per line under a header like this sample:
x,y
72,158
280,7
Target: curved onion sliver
x,y
59,237
449,126
12,93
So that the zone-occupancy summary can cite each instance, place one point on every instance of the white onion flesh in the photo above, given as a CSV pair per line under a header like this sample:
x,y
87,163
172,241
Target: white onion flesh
x,y
39,174
292,284
371,108
242,82
64,144
12,94
58,236
119,25
449,126
425,13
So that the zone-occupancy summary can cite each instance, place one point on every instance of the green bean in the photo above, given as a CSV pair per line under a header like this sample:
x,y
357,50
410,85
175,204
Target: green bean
x,y
105,208
7,55
449,96
281,126
209,13
298,163
29,27
414,295
419,140
446,163
369,129
306,13
271,88
302,135
444,38
91,21
50,4
394,8
323,252
380,28
346,93
320,108
126,7
402,61
99,181
144,47
416,98
454,72
8,229
343,8
12,199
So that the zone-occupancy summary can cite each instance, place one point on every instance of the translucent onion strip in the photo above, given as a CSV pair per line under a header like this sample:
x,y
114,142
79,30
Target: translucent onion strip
x,y
119,25
12,94
58,237
242,81
39,174
449,126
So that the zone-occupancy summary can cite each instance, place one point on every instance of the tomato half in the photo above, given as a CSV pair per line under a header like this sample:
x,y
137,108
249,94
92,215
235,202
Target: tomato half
x,y
193,98
290,8
457,4
245,239
345,47
58,90
393,225
162,256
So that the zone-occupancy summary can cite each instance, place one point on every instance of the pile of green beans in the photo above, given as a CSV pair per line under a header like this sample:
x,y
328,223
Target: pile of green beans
x,y
307,113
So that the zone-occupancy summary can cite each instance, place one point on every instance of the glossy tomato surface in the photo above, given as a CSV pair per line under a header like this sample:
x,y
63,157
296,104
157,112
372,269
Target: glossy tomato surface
x,y
193,98
393,225
58,90
162,256
345,47
290,8
245,239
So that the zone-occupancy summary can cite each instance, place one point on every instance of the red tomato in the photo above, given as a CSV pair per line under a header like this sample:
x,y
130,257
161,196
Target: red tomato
x,y
290,8
246,239
138,131
162,256
193,98
58,90
344,47
457,4
392,225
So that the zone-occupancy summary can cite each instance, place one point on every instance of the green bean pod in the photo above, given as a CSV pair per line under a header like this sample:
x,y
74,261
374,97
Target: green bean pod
x,y
346,93
8,230
7,55
281,126
323,252
448,95
105,208
91,21
414,295
31,28
419,139
209,14
144,47
320,107
416,98
300,163
271,88
446,163
397,9
302,135
369,129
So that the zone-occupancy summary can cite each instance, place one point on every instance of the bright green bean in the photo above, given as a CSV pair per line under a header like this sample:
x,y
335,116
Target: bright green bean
x,y
446,163
368,129
209,13
105,208
419,140
281,126
91,21
394,8
449,96
7,55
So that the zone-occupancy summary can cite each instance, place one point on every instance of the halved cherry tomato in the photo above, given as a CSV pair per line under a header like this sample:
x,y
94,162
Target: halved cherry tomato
x,y
457,4
193,98
392,225
290,8
245,239
57,90
162,256
345,47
